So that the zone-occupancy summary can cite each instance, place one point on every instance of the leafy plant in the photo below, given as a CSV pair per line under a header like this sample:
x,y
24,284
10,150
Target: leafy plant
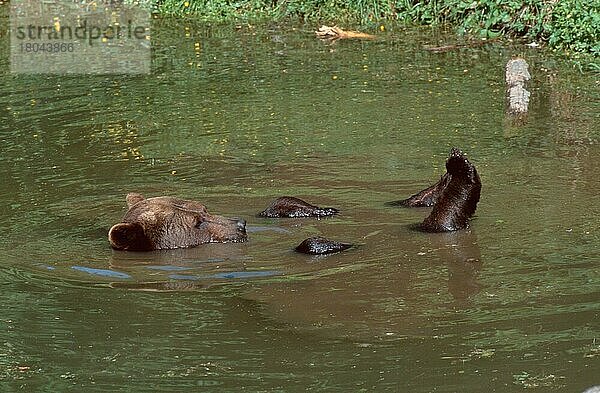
x,y
569,25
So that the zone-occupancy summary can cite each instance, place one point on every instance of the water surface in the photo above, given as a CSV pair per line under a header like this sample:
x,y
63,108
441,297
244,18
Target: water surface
x,y
235,116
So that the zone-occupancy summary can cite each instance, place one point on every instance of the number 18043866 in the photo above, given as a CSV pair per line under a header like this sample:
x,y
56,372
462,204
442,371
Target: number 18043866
x,y
46,47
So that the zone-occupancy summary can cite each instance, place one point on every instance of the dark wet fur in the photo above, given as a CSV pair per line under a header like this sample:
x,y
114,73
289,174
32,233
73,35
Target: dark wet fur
x,y
458,200
319,245
291,207
454,197
426,198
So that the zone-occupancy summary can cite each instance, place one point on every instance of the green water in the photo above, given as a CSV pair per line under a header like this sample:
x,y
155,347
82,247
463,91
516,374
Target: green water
x,y
235,117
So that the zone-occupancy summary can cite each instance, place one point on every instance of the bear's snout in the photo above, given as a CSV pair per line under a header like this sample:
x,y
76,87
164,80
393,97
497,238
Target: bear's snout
x,y
240,223
235,230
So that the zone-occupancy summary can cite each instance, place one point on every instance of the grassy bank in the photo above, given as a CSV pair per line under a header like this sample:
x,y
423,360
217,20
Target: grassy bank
x,y
568,25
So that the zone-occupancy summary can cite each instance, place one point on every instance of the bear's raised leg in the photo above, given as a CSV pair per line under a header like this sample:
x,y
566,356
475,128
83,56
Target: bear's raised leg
x,y
458,200
426,198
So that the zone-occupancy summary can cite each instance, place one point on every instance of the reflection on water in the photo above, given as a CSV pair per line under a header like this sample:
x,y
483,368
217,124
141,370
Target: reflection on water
x,y
258,113
460,251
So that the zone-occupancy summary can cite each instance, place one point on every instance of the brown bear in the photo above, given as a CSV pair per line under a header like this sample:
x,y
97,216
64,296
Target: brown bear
x,y
292,207
454,197
165,223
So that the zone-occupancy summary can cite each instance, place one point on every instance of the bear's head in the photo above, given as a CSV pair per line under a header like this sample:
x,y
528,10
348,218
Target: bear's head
x,y
165,223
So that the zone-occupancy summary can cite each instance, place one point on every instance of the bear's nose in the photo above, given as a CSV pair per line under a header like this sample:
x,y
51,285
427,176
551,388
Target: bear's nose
x,y
241,224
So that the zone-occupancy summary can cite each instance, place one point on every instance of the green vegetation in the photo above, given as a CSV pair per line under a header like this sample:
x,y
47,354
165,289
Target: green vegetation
x,y
569,25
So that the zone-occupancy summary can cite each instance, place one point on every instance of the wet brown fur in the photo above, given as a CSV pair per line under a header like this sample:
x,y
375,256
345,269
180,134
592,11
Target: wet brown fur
x,y
291,207
458,200
454,197
319,245
426,198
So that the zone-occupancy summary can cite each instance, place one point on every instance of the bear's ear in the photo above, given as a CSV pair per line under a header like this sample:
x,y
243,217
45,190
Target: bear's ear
x,y
128,236
132,198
